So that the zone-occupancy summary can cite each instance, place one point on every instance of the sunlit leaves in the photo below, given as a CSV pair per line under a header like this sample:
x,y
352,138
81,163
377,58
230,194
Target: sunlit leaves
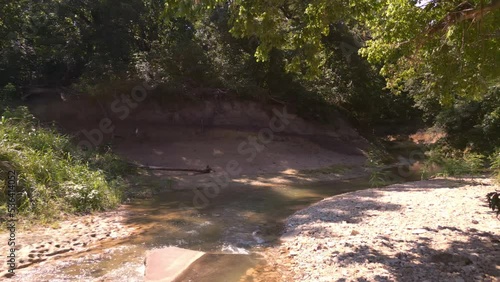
x,y
409,40
296,26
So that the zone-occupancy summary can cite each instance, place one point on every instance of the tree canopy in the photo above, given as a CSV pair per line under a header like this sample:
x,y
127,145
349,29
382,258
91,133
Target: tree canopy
x,y
437,54
446,49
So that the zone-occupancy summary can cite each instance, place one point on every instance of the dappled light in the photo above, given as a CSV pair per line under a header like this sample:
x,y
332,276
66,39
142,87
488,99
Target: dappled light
x,y
353,236
250,141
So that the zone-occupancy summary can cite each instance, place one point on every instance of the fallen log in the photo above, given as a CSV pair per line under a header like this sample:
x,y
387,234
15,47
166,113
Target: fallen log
x,y
208,169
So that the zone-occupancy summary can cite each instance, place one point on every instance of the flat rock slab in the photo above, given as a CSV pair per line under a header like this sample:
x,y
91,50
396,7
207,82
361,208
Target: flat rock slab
x,y
218,267
167,264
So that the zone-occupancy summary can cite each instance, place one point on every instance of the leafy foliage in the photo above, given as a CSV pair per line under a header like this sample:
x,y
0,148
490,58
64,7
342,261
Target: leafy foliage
x,y
441,49
495,164
56,42
375,160
474,125
452,162
98,47
53,175
444,49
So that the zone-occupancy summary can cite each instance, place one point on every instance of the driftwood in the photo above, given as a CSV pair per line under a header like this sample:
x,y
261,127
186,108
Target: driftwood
x,y
206,170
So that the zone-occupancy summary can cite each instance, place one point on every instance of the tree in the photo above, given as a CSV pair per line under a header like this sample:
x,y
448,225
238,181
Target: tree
x,y
445,49
56,42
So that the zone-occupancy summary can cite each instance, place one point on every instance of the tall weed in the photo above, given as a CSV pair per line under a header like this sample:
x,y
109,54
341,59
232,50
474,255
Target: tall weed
x,y
452,162
495,164
53,176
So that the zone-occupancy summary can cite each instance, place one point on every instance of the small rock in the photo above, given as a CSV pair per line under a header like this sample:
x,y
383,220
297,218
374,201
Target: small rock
x,y
419,231
394,262
354,232
475,221
250,272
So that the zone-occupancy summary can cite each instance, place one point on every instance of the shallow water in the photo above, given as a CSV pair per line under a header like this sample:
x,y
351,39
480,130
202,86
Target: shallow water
x,y
242,219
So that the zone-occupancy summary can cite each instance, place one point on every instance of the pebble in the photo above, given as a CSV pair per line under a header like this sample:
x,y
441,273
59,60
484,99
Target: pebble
x,y
419,231
388,243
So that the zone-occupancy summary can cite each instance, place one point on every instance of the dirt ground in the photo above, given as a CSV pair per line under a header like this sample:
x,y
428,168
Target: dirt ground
x,y
282,154
286,159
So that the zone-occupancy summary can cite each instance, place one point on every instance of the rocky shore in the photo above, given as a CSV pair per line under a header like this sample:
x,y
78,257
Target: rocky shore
x,y
68,238
432,230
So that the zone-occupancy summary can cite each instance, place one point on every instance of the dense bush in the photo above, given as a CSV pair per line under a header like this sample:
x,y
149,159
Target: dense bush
x,y
453,162
495,164
53,175
472,124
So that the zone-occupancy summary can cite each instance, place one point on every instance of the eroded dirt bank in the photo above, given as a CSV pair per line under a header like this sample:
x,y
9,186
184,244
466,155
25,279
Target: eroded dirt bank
x,y
434,230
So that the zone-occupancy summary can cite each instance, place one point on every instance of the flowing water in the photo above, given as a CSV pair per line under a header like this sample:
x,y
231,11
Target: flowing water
x,y
242,219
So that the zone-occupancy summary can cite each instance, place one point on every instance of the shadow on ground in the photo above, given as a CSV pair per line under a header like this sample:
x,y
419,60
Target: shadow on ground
x,y
467,253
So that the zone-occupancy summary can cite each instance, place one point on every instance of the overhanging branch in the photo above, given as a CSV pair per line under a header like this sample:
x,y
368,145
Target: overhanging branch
x,y
464,14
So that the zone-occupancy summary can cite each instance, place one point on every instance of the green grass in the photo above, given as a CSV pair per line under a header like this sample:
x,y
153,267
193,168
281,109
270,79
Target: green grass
x,y
495,165
453,162
440,161
55,178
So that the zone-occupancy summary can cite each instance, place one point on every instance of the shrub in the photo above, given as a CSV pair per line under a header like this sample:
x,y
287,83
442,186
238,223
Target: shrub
x,y
473,124
375,160
452,162
53,176
7,94
495,164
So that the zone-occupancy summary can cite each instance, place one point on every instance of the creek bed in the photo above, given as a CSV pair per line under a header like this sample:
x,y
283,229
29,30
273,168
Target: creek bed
x,y
242,219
